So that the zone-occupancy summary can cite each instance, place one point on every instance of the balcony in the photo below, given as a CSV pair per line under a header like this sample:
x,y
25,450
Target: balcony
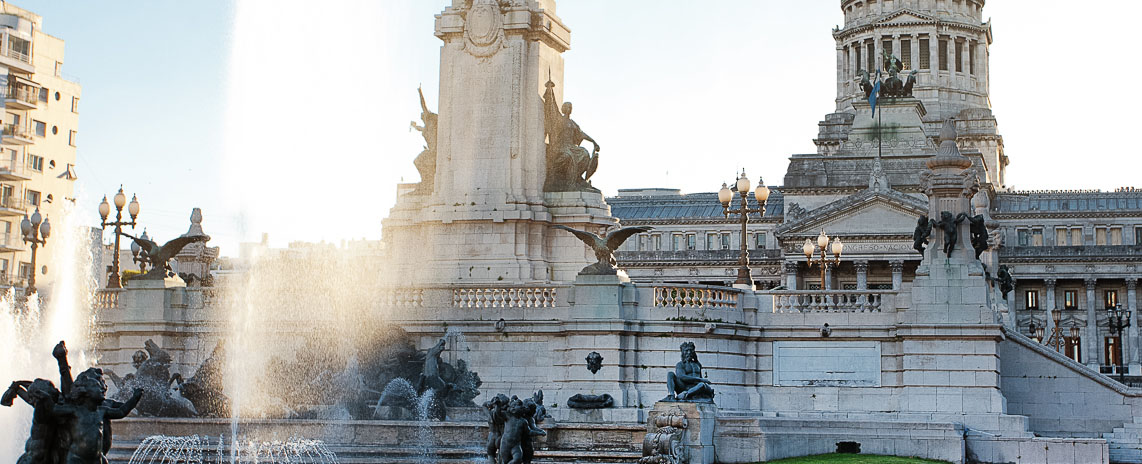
x,y
1068,253
21,97
13,171
834,301
696,257
12,206
16,53
15,134
11,242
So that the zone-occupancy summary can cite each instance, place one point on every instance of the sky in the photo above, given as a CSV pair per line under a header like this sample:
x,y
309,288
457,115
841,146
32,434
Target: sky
x,y
277,117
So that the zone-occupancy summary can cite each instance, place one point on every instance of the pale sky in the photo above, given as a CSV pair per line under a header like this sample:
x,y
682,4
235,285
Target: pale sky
x,y
275,116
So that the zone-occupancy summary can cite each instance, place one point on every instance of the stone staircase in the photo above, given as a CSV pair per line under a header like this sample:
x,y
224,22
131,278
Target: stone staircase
x,y
1126,442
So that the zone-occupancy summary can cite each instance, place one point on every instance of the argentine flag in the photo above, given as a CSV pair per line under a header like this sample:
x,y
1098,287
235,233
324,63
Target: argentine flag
x,y
875,92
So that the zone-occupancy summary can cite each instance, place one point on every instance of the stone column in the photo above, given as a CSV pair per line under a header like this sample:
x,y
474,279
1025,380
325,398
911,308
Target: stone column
x,y
829,267
934,56
1049,302
842,78
862,274
791,275
1091,355
897,273
1130,350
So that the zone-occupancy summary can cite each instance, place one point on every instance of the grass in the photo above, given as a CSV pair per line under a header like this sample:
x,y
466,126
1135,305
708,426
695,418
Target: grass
x,y
852,459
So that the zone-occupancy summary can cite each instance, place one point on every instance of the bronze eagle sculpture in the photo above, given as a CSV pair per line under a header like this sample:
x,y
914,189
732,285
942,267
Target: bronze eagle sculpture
x,y
158,256
604,246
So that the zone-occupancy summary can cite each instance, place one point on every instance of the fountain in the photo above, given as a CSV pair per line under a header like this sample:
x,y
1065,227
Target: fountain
x,y
161,449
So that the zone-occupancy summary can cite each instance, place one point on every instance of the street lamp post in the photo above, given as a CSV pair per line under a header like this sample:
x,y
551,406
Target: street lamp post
x,y
113,281
822,245
1118,320
725,196
35,231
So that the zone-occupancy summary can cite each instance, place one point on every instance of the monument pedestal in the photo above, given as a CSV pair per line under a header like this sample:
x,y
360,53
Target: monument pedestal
x,y
682,430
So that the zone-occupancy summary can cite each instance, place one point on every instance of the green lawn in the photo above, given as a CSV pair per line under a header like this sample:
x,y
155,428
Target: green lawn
x,y
852,459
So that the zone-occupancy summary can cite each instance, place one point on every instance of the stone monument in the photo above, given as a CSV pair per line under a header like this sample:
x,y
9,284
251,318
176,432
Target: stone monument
x,y
487,215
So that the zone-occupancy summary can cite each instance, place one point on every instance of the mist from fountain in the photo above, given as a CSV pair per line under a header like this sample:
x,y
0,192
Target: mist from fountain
x,y
401,392
161,449
29,331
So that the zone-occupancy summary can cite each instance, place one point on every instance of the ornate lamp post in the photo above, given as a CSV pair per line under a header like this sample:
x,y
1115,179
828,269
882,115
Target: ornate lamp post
x,y
113,281
35,231
1119,320
725,196
823,260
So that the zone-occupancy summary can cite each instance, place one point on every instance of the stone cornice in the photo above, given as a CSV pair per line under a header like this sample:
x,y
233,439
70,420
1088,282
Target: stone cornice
x,y
925,20
889,197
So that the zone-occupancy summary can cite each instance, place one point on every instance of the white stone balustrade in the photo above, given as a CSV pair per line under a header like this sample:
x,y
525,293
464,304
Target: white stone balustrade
x,y
504,297
403,297
837,301
107,298
696,296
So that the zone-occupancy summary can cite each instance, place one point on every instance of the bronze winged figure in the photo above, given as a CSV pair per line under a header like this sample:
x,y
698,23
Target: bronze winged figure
x,y
604,246
158,256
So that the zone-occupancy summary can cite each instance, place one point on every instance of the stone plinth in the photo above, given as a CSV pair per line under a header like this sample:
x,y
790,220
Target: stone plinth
x,y
693,424
899,121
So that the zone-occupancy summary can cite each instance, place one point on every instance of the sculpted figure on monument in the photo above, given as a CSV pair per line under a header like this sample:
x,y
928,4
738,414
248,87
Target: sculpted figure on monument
x,y
1006,282
511,426
71,425
865,84
569,166
922,232
430,377
594,362
425,162
893,86
949,224
686,382
604,247
158,256
978,231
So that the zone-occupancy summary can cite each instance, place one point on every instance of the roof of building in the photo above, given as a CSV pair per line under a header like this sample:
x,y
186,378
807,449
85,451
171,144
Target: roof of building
x,y
672,204
1069,200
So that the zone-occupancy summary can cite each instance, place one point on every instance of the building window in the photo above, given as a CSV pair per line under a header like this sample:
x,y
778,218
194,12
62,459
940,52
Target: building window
x,y
711,241
25,271
1037,237
959,55
1110,298
871,55
74,104
725,241
59,69
906,53
3,269
1112,349
759,241
44,94
1060,237
32,197
1032,299
71,138
641,242
886,45
943,52
657,242
676,242
36,163
971,56
1070,299
6,199
1116,236
691,241
1138,235
41,128
20,49
1024,237
880,286
1100,236
1077,236
858,62
925,54
1073,348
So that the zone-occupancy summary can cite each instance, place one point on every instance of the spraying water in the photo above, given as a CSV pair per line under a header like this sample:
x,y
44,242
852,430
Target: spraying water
x,y
29,330
161,449
400,391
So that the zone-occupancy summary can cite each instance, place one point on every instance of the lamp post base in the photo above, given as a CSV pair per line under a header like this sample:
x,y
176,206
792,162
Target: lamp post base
x,y
745,279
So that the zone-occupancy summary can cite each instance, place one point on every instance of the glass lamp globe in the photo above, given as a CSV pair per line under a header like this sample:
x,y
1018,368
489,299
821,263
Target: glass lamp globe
x,y
45,229
743,184
36,218
25,226
725,195
807,248
104,208
762,192
823,241
120,199
133,208
838,247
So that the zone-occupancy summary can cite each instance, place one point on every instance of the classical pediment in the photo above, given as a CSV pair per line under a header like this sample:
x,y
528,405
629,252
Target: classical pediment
x,y
866,213
906,16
